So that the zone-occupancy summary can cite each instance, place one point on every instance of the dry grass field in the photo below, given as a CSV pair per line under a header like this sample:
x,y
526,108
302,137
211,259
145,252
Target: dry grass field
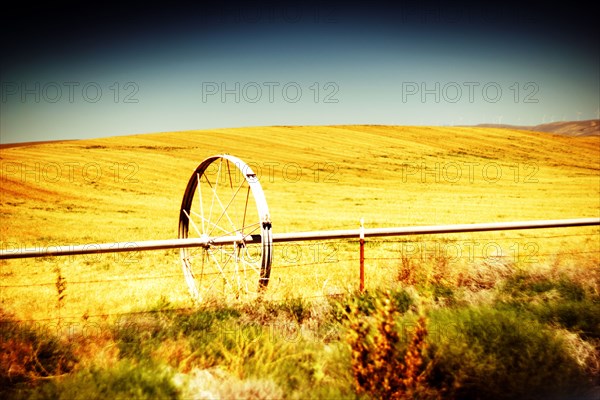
x,y
315,178
128,189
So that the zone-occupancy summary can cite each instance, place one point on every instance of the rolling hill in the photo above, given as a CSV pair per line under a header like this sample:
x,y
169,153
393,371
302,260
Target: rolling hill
x,y
569,128
315,178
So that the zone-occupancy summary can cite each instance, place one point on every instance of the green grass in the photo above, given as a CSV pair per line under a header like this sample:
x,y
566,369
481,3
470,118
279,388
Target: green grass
x,y
483,352
125,380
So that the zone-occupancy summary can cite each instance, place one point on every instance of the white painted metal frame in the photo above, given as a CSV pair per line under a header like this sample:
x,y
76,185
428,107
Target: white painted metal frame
x,y
216,205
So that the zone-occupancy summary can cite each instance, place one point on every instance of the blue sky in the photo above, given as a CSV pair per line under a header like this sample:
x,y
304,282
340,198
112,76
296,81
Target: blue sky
x,y
69,73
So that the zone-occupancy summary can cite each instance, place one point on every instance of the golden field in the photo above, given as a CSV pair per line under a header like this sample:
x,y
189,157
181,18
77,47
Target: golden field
x,y
129,189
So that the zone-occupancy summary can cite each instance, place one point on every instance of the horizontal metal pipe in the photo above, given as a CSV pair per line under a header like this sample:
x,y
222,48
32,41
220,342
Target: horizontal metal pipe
x,y
96,248
117,247
433,229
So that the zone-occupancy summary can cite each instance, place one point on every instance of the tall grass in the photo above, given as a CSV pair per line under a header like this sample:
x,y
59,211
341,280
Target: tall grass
x,y
378,344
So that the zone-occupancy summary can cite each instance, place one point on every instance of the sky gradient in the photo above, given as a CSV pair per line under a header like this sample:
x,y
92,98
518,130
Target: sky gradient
x,y
70,73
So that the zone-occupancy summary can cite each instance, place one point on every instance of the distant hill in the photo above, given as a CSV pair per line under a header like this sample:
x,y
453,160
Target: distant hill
x,y
589,127
23,144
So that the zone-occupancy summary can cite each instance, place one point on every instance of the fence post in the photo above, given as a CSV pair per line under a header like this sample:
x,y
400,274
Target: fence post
x,y
362,256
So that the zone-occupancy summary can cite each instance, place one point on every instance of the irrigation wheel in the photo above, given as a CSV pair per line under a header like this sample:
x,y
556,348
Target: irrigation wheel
x,y
224,199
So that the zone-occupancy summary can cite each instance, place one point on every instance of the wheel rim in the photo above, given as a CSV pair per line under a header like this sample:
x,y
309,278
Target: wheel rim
x,y
218,203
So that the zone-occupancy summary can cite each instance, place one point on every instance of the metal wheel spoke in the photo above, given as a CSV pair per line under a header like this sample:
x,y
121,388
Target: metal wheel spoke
x,y
245,260
189,257
212,283
230,233
237,270
227,207
189,278
219,267
192,222
191,252
210,223
202,265
251,265
216,196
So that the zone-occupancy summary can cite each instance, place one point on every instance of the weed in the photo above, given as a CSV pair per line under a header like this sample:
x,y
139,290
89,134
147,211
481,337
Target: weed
x,y
406,272
298,308
485,275
380,367
61,286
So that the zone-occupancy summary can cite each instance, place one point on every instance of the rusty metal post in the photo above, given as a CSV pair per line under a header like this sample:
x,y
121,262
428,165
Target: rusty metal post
x,y
362,256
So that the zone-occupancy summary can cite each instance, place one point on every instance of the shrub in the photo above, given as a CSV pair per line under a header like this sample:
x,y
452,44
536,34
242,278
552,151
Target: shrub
x,y
367,302
126,380
523,285
582,317
28,354
383,367
488,353
559,301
